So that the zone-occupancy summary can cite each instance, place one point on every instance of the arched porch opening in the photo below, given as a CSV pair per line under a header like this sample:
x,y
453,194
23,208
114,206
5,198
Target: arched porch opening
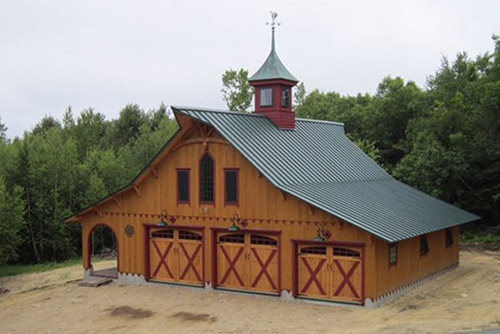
x,y
104,251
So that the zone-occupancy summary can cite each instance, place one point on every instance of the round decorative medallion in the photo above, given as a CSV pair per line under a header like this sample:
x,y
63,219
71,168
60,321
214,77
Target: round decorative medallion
x,y
129,231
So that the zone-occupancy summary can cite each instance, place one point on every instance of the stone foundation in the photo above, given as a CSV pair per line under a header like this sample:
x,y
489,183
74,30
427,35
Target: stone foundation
x,y
132,279
390,296
135,279
87,273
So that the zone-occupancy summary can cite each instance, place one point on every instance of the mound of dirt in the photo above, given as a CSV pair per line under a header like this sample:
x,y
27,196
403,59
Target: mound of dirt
x,y
464,299
194,316
129,312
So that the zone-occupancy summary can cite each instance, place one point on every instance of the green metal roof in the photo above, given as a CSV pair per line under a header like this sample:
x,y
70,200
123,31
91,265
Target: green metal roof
x,y
272,68
317,163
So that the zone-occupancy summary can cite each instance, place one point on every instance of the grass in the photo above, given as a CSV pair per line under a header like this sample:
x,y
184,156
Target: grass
x,y
16,269
480,237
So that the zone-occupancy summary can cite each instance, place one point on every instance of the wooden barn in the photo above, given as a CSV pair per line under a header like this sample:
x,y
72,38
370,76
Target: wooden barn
x,y
268,203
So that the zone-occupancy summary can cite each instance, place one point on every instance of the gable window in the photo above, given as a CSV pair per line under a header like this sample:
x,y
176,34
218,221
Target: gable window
x,y
266,97
183,186
206,179
393,254
424,245
285,97
449,237
231,185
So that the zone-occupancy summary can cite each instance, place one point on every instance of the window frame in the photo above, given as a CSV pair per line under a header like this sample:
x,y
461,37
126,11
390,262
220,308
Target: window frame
x,y
188,171
422,251
237,171
391,246
285,89
262,89
202,202
447,242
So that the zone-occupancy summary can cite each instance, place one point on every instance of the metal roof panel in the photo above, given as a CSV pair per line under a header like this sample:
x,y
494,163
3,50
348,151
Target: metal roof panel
x,y
317,163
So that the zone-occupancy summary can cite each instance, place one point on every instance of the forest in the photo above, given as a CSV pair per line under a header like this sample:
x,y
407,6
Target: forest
x,y
443,139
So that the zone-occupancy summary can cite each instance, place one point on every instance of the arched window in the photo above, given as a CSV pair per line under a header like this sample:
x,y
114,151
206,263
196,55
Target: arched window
x,y
206,179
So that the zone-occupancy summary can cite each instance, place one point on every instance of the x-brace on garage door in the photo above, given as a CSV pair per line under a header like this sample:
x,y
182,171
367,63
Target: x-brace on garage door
x,y
247,260
331,271
176,255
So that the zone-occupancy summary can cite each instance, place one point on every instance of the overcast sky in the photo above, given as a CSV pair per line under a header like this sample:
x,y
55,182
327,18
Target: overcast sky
x,y
108,53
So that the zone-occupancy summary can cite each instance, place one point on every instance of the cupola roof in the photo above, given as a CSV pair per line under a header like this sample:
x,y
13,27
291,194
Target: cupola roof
x,y
272,68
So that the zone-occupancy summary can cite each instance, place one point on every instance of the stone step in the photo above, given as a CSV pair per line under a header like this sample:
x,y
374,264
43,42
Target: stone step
x,y
94,282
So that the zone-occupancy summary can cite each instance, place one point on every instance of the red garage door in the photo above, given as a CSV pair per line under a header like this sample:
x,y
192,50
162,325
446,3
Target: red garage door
x,y
176,255
332,272
248,261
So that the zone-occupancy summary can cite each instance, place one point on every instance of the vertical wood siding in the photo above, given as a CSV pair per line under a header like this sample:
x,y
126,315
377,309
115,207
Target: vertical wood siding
x,y
261,204
411,266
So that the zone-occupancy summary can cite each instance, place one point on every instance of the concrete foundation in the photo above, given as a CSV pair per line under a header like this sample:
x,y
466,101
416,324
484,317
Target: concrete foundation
x,y
135,279
390,296
287,296
87,273
132,279
208,287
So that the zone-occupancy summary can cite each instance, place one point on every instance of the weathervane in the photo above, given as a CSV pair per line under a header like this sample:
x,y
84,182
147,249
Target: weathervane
x,y
273,23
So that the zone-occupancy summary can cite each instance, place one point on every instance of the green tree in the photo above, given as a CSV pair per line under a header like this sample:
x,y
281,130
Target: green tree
x,y
299,96
47,123
88,131
236,90
3,132
127,127
11,222
433,168
48,163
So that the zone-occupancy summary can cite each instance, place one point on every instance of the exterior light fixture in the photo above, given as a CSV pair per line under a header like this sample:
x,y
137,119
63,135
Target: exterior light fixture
x,y
237,221
322,234
319,236
163,218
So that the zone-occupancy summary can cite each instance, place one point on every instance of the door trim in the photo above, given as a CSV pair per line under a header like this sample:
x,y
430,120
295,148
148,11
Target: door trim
x,y
147,264
295,258
216,230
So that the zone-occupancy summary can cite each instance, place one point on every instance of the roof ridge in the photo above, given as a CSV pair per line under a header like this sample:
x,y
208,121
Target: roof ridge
x,y
318,121
221,111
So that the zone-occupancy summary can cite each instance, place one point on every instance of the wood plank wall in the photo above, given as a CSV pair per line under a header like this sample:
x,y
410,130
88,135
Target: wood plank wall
x,y
411,266
261,204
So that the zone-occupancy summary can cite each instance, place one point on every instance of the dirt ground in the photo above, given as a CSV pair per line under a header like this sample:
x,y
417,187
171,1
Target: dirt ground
x,y
466,298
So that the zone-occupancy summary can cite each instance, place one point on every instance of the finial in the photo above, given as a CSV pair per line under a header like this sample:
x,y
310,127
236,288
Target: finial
x,y
273,23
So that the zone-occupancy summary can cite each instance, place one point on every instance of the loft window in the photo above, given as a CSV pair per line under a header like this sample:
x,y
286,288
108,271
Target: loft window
x,y
424,245
206,179
449,237
285,97
266,97
393,254
231,185
338,251
183,185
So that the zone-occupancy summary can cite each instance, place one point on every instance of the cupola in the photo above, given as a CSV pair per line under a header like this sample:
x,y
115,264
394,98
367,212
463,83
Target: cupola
x,y
273,88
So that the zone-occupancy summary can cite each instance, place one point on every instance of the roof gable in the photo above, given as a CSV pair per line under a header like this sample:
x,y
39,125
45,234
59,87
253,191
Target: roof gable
x,y
317,163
